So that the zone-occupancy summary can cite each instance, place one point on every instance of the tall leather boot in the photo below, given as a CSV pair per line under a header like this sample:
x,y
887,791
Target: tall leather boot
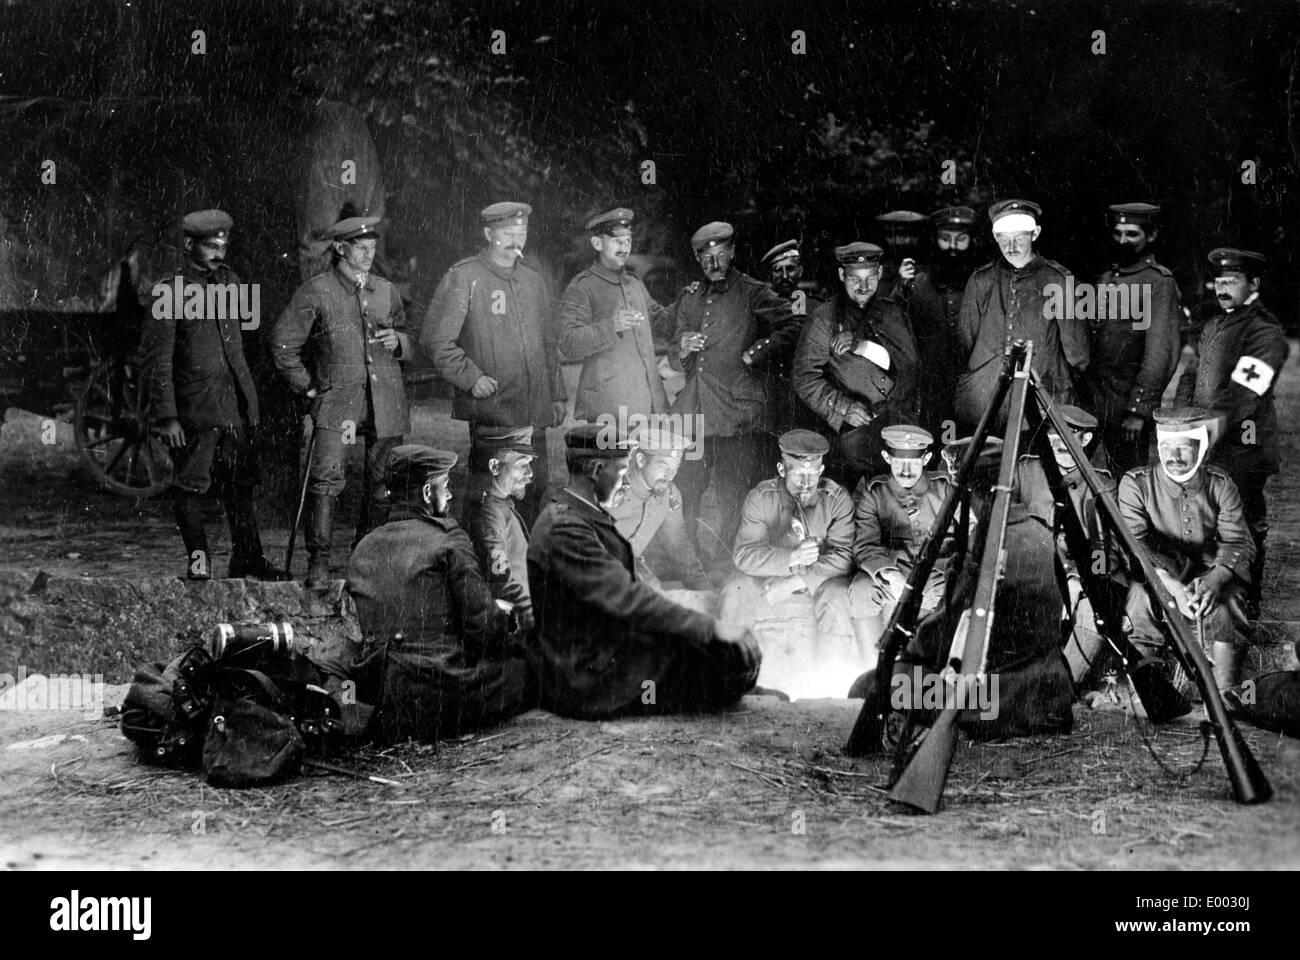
x,y
188,509
246,557
319,536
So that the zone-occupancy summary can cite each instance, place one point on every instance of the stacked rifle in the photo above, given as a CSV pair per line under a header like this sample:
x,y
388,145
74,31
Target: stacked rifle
x,y
920,772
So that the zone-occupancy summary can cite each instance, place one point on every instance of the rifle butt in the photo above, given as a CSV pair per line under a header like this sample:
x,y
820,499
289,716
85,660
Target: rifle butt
x,y
922,782
1249,785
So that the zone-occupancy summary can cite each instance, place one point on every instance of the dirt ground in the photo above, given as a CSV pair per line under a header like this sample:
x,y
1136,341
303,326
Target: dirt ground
x,y
764,785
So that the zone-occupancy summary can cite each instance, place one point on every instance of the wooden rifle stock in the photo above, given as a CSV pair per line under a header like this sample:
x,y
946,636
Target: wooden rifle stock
x,y
1249,784
923,779
868,731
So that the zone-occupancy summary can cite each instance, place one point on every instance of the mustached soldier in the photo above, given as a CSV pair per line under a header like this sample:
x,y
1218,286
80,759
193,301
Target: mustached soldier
x,y
205,408
1233,374
894,514
1189,516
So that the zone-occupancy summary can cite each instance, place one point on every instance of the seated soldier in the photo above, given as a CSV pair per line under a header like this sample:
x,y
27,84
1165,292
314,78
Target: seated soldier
x,y
651,517
606,644
436,641
894,515
1084,642
795,536
1189,516
501,468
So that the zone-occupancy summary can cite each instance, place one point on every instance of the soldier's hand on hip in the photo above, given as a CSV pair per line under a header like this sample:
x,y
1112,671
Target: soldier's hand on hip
x,y
559,410
857,415
1131,428
483,387
170,431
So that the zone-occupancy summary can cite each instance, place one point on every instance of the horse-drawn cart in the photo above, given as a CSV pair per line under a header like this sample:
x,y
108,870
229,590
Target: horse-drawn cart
x,y
87,366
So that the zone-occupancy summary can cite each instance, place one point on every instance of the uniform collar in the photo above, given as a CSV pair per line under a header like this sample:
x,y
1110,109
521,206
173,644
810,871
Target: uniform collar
x,y
585,506
1147,261
409,511
1192,487
918,490
608,275
1027,269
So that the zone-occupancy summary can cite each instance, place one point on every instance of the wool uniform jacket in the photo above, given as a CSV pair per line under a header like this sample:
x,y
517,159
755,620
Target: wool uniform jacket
x,y
1233,373
488,320
734,313
1128,368
330,319
768,536
619,369
1002,304
892,523
601,635
194,368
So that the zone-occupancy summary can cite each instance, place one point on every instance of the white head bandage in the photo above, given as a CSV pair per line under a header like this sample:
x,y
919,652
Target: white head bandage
x,y
1015,223
1199,433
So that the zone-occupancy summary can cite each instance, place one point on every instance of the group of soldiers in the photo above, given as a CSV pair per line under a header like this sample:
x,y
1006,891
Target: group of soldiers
x,y
551,593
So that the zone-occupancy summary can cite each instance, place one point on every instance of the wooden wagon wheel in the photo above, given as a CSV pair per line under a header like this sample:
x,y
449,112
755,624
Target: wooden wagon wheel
x,y
111,425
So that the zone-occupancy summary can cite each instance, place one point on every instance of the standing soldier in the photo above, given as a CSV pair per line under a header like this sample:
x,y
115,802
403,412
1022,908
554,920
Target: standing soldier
x,y
1232,374
356,328
1007,300
774,355
204,407
934,308
856,366
606,321
501,468
490,333
715,321
1133,359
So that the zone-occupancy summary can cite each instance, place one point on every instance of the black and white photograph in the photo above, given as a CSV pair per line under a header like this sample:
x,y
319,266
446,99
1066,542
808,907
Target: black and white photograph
x,y
705,435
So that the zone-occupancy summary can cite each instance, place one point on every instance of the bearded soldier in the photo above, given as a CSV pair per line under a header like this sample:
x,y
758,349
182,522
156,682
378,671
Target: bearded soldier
x,y
605,643
1133,359
934,308
438,656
